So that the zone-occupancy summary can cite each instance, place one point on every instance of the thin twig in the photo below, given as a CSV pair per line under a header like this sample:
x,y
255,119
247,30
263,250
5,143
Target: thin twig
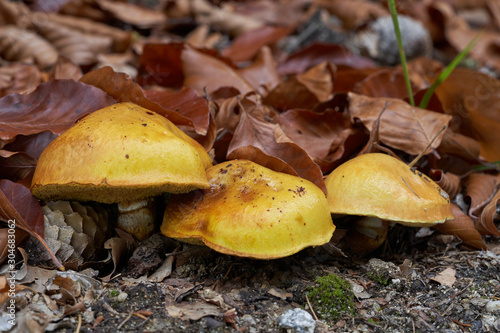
x,y
415,160
79,326
310,307
125,321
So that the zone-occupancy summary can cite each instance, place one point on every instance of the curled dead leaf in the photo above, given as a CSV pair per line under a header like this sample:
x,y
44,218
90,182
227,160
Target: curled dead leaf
x,y
20,44
17,78
402,126
462,227
479,190
448,181
72,44
485,224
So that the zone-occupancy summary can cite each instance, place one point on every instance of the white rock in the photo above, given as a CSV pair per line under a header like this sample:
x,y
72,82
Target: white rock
x,y
298,320
493,307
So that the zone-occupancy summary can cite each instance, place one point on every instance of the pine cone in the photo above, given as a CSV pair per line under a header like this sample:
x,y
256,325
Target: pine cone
x,y
75,231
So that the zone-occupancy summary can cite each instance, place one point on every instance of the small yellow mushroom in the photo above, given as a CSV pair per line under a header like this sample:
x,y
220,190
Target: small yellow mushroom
x,y
121,154
381,186
251,211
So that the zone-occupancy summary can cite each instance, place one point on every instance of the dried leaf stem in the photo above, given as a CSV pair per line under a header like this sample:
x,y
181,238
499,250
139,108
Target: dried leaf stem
x,y
415,160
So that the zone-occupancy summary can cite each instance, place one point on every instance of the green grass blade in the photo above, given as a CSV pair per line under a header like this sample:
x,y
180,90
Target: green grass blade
x,y
447,71
402,55
487,166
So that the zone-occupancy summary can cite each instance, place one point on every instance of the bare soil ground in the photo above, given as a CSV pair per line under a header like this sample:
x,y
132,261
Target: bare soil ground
x,y
428,284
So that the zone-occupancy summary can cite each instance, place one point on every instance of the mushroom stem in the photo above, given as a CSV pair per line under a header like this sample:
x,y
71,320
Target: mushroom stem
x,y
137,217
365,235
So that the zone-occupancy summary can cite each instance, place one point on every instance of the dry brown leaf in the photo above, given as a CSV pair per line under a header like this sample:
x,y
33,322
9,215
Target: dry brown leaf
x,y
485,224
316,53
246,46
446,277
402,126
462,227
448,181
460,145
319,80
205,73
230,110
486,51
348,78
473,99
20,235
383,83
322,135
130,13
494,7
423,71
72,44
479,189
303,91
252,134
355,12
262,74
223,18
45,110
121,38
11,12
123,89
20,44
201,37
17,78
64,68
194,310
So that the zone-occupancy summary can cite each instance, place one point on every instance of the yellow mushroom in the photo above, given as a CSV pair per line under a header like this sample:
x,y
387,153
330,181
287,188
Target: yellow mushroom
x,y
121,154
251,211
380,186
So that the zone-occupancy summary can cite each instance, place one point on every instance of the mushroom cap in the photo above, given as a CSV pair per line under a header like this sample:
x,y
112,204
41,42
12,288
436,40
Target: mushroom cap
x,y
120,153
382,186
251,211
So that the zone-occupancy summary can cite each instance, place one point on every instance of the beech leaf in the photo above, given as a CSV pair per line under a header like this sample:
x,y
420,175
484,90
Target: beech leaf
x,y
402,126
322,135
270,139
485,224
17,204
123,89
54,106
448,181
462,227
479,189
473,98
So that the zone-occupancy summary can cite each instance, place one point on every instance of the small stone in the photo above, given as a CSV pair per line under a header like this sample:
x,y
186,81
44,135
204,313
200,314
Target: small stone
x,y
493,307
248,320
298,320
121,297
